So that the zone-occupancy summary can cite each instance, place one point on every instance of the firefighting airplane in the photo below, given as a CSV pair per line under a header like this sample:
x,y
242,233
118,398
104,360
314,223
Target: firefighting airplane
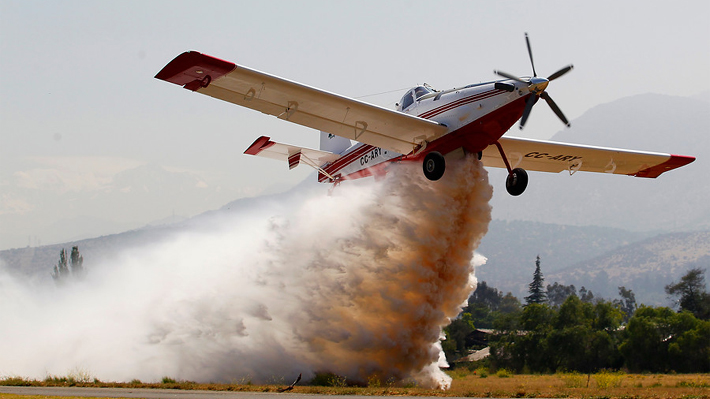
x,y
428,125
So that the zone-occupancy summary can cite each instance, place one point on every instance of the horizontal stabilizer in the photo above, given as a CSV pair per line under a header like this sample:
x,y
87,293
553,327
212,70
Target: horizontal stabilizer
x,y
293,155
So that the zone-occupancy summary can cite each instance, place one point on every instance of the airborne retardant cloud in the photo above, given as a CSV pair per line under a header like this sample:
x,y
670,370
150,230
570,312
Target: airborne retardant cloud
x,y
359,284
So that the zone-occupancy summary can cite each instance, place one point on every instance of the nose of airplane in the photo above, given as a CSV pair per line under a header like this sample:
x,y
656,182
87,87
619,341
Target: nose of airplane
x,y
538,85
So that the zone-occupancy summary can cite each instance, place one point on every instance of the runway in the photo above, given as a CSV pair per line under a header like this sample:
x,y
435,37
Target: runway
x,y
163,393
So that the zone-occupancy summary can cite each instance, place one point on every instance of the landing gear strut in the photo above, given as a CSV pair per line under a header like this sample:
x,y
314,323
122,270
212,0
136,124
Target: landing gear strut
x,y
434,165
517,180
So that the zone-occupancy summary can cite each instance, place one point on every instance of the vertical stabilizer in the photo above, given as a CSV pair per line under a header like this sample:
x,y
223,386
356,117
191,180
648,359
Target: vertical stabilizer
x,y
332,143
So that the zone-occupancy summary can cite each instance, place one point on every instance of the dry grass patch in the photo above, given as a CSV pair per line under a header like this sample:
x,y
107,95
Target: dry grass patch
x,y
465,384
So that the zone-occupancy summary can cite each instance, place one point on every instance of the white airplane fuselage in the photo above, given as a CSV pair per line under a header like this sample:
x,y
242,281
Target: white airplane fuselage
x,y
476,116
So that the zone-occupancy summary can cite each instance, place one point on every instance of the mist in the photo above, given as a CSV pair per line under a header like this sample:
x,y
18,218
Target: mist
x,y
359,283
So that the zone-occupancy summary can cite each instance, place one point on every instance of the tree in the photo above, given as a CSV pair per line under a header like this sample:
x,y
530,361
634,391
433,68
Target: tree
x,y
486,296
659,340
61,270
691,293
77,263
537,294
557,293
627,303
586,296
455,344
509,304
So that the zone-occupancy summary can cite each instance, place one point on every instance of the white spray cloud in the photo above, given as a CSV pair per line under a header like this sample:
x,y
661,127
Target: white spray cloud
x,y
359,283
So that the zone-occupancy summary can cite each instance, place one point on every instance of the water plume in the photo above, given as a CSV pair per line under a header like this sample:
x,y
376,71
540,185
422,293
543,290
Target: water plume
x,y
359,284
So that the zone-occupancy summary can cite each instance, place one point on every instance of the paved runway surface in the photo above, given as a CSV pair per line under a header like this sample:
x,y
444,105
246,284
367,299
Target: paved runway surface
x,y
165,393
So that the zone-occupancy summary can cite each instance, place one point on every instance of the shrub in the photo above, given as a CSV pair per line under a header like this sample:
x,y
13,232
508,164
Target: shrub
x,y
608,379
328,380
573,380
503,373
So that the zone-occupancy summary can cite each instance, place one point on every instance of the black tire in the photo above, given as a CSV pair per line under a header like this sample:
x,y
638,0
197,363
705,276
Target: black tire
x,y
516,182
434,166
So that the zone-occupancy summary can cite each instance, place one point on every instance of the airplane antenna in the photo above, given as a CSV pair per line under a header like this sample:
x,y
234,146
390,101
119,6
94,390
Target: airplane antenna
x,y
384,92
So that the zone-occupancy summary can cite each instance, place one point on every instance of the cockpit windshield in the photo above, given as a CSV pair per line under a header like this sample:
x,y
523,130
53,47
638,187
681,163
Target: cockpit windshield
x,y
421,91
412,95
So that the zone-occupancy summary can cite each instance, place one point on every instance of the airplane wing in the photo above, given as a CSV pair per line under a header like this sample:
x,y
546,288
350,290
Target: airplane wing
x,y
294,155
301,104
551,156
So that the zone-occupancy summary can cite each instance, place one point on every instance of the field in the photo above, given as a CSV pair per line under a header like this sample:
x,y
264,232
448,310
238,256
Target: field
x,y
465,384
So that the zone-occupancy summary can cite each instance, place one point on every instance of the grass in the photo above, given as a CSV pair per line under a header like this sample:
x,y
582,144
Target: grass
x,y
465,384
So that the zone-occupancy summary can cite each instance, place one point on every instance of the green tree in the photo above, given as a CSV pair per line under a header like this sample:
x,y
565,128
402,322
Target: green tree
x,y
627,303
455,344
558,293
660,340
689,351
691,293
509,304
537,294
68,266
586,296
483,303
61,270
77,263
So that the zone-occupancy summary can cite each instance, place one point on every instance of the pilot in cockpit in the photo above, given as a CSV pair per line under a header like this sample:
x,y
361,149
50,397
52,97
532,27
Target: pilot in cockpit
x,y
413,94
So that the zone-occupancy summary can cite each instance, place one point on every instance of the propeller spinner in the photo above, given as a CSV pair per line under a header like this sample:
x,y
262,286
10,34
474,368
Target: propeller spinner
x,y
537,86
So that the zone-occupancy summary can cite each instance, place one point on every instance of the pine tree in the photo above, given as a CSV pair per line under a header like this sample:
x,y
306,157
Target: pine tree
x,y
536,287
68,266
61,271
77,263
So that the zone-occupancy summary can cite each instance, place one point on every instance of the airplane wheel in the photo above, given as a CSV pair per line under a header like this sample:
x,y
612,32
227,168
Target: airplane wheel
x,y
434,165
516,182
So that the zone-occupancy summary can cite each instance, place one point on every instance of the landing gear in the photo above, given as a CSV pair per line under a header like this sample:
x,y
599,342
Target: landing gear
x,y
434,165
516,182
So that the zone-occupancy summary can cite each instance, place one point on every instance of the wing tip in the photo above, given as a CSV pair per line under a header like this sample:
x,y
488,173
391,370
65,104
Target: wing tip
x,y
192,66
674,162
259,145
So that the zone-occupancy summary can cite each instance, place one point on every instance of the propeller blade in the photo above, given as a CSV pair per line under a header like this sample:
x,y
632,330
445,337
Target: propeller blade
x,y
554,107
509,76
527,40
528,107
560,73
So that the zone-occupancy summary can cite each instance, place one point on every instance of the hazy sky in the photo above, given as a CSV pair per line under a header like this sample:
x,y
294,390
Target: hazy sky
x,y
79,104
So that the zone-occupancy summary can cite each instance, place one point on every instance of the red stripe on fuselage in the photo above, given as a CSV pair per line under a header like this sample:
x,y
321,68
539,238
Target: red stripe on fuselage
x,y
463,101
474,136
339,164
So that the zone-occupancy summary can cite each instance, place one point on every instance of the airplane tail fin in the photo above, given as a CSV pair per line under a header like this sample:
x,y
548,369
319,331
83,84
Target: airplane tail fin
x,y
332,143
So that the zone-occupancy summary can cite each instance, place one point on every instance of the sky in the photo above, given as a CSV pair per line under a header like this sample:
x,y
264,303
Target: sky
x,y
92,143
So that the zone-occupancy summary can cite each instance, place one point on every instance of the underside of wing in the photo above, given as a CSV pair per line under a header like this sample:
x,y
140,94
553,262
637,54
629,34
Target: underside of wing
x,y
550,156
301,104
294,155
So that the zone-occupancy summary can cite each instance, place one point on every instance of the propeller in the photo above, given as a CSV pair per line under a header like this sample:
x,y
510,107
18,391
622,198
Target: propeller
x,y
537,88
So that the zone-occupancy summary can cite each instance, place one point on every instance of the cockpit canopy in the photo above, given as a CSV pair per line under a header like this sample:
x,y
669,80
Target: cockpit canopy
x,y
412,95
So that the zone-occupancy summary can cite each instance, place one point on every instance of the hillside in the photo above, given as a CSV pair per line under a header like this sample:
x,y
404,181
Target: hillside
x,y
676,201
568,221
646,267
